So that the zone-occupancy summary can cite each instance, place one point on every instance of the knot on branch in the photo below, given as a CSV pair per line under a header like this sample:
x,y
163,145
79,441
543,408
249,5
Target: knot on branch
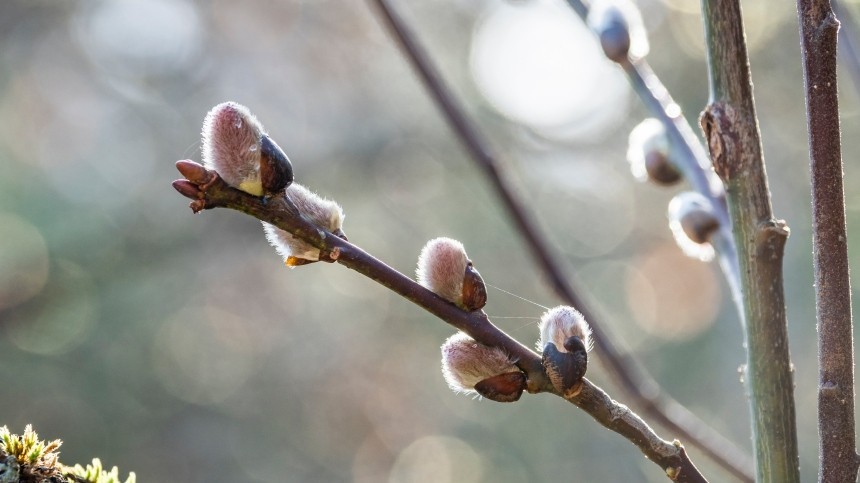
x,y
719,124
820,16
770,239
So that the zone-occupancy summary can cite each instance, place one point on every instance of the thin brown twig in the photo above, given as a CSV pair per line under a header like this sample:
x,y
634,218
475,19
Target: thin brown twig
x,y
208,190
837,446
638,385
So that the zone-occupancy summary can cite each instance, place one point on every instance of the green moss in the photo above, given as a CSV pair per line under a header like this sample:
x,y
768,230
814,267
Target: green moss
x,y
94,473
26,458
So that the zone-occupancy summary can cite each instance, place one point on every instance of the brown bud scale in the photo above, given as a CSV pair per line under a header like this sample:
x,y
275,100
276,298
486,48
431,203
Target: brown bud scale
x,y
187,188
699,225
193,172
565,370
660,170
474,289
506,387
276,171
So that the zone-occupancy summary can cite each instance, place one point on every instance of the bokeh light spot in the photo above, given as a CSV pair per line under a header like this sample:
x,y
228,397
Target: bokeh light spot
x,y
440,459
679,296
204,355
537,64
65,314
763,19
140,36
24,263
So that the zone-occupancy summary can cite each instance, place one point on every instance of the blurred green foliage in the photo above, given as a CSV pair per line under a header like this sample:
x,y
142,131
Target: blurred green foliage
x,y
179,346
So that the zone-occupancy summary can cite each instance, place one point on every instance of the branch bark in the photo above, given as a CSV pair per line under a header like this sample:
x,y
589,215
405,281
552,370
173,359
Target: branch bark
x,y
848,42
732,134
208,190
637,384
837,450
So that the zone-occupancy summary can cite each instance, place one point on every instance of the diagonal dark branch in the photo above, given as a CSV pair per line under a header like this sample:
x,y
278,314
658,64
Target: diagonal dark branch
x,y
837,451
208,190
638,385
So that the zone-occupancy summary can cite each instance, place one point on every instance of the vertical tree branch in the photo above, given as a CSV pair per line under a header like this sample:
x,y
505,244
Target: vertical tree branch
x,y
731,130
639,386
837,453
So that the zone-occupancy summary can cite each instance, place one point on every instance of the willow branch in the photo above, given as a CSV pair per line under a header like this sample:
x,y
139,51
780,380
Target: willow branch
x,y
637,384
208,190
731,130
690,158
837,452
693,162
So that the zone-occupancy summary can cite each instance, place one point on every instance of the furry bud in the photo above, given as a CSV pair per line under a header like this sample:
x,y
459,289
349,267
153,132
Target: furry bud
x,y
618,25
693,221
565,339
238,148
325,214
445,269
559,324
649,153
472,367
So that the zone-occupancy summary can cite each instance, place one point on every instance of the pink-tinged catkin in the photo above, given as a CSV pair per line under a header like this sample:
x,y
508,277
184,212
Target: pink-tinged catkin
x,y
559,323
466,362
231,146
442,267
324,213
